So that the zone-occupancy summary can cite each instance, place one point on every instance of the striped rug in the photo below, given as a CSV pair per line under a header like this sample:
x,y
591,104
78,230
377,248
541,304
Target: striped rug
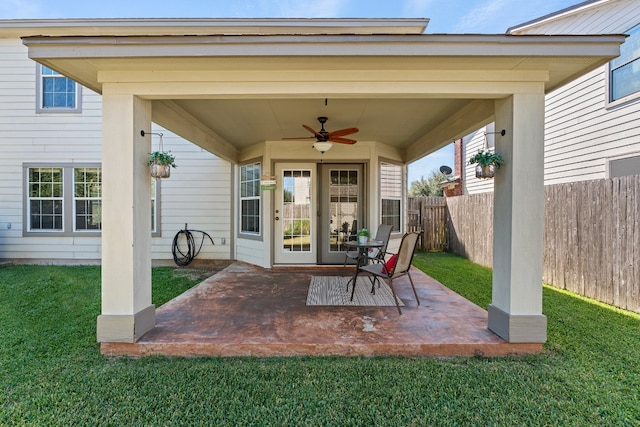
x,y
332,290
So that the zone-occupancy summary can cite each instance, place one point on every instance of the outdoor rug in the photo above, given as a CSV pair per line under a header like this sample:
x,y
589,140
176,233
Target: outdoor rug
x,y
332,290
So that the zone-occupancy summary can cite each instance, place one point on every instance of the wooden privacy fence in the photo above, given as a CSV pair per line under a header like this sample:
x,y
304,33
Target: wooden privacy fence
x,y
470,227
428,214
591,237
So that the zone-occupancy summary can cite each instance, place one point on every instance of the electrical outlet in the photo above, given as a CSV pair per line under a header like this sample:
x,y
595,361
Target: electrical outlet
x,y
223,241
8,226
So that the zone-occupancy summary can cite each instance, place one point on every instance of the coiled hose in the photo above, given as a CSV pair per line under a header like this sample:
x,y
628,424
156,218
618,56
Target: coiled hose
x,y
184,258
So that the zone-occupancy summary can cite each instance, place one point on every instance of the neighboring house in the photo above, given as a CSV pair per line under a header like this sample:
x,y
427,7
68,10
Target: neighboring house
x,y
592,124
238,90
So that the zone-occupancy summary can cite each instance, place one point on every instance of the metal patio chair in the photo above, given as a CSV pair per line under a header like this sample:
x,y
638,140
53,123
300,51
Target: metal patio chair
x,y
400,267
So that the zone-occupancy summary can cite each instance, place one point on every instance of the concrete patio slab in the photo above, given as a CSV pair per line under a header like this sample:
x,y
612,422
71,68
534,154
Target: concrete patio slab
x,y
246,310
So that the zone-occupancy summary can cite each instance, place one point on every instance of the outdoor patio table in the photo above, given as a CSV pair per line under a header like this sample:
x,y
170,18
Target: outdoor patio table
x,y
363,249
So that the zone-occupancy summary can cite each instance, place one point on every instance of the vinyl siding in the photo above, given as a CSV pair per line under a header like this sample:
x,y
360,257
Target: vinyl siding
x,y
582,132
198,192
612,17
472,143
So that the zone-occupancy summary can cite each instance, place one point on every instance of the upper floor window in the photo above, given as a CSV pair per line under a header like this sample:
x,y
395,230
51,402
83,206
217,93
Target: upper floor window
x,y
391,195
624,71
250,198
56,93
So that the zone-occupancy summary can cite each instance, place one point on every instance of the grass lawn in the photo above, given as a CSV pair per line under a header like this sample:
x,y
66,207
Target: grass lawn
x,y
52,373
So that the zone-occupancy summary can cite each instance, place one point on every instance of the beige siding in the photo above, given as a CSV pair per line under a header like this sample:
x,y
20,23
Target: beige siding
x,y
198,193
582,131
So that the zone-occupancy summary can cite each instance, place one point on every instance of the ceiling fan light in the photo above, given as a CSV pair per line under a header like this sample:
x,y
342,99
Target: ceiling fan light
x,y
323,147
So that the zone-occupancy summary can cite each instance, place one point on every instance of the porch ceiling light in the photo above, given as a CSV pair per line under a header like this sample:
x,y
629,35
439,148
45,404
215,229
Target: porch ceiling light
x,y
323,147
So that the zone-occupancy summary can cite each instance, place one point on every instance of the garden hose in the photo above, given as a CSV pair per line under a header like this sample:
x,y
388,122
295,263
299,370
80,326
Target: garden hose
x,y
184,258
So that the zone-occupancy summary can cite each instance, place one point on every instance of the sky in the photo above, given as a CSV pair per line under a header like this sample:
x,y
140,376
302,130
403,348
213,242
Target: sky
x,y
446,16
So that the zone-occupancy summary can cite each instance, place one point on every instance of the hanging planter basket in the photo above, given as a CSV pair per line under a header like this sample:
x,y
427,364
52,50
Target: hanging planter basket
x,y
161,162
485,172
160,171
486,163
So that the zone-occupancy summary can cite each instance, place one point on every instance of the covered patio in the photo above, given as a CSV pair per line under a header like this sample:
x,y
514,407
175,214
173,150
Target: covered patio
x,y
239,89
245,310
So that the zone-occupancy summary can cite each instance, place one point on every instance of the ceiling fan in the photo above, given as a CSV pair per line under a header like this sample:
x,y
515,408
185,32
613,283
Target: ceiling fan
x,y
323,135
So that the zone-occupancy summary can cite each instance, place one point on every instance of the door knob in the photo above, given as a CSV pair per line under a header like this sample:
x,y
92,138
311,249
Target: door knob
x,y
277,218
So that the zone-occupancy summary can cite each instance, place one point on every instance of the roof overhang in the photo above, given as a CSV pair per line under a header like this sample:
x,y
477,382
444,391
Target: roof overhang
x,y
410,90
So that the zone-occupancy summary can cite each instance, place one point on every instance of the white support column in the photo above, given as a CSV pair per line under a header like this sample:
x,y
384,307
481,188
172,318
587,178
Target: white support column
x,y
515,313
127,312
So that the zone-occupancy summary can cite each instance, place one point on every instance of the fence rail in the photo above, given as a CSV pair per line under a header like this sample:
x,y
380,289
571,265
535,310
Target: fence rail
x,y
591,237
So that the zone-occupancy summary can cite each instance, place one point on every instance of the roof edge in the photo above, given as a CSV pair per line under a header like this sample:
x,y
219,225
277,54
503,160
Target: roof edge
x,y
555,15
211,26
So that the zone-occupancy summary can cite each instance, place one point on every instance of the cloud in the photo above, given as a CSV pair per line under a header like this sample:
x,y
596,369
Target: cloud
x,y
20,9
416,8
480,17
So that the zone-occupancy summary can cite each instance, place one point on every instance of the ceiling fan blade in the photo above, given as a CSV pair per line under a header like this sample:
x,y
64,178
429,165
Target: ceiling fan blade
x,y
300,138
343,132
312,131
343,140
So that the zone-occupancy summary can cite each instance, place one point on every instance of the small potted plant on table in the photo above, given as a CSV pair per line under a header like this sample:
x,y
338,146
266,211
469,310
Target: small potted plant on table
x,y
161,163
487,163
363,236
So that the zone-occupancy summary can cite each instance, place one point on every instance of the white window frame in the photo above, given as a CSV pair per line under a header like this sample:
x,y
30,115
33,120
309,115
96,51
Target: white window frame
x,y
40,108
609,76
400,197
253,197
85,198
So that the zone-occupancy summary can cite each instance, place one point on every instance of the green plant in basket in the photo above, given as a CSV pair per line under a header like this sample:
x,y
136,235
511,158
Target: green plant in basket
x,y
162,158
487,158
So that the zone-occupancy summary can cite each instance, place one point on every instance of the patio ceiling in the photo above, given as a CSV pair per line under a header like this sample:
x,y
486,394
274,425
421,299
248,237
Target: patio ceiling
x,y
413,91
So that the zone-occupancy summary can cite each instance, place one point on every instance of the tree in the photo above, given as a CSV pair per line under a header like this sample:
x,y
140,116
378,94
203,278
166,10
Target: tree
x,y
428,187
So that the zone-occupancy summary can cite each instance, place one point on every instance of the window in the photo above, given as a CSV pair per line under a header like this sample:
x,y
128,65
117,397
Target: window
x,y
56,92
624,166
45,199
250,198
624,71
87,184
67,200
391,195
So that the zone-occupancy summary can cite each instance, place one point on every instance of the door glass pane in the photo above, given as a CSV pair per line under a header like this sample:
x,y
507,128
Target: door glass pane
x,y
343,209
296,210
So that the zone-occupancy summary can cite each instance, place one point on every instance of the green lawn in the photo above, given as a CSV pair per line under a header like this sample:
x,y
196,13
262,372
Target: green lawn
x,y
52,373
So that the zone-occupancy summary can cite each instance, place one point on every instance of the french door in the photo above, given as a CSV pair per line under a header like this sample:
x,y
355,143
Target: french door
x,y
295,216
341,209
